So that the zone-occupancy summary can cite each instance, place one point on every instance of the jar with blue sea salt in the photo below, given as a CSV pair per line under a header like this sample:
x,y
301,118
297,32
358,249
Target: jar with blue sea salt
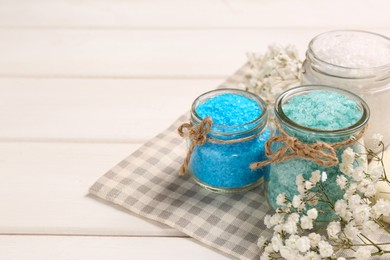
x,y
325,118
357,61
234,123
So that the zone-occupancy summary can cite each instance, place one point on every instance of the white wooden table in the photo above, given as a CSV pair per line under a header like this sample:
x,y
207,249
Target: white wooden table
x,y
84,83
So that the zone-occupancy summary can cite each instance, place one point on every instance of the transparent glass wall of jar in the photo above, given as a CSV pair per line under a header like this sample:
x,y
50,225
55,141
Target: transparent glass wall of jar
x,y
358,61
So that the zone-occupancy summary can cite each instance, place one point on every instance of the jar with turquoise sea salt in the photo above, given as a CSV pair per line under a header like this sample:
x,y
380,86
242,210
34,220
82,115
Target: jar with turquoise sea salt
x,y
357,61
227,133
311,115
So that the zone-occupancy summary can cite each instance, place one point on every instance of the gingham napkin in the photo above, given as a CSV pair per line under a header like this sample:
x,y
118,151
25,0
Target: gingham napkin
x,y
147,183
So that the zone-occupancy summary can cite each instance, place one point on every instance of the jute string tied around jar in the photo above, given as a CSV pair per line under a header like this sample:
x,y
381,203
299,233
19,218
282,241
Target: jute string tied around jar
x,y
322,153
198,136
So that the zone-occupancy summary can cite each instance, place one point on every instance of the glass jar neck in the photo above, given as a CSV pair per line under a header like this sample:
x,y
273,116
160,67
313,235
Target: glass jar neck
x,y
224,132
318,70
312,135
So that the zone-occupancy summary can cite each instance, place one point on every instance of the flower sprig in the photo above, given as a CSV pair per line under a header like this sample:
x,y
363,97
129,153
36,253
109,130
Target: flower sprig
x,y
274,71
300,233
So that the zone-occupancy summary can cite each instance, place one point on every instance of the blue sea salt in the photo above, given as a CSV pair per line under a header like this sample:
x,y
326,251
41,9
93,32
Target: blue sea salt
x,y
226,166
322,110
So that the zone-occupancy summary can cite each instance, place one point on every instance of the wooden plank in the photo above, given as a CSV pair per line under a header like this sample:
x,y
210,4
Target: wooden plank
x,y
93,110
96,248
44,191
138,53
194,14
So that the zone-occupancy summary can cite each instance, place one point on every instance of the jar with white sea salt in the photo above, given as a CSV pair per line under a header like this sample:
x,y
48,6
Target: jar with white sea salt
x,y
358,61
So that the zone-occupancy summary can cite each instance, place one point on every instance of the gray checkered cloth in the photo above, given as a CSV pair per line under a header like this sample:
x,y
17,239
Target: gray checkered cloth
x,y
147,183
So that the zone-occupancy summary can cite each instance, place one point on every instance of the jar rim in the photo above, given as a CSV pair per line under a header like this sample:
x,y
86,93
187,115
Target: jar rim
x,y
316,38
256,123
317,87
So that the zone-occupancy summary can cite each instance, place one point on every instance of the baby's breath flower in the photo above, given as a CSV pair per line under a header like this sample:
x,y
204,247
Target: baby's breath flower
x,y
351,231
261,242
381,207
324,176
274,71
276,242
341,181
361,214
374,142
281,199
333,229
306,222
348,156
312,213
315,176
290,227
303,244
358,174
297,201
314,239
326,249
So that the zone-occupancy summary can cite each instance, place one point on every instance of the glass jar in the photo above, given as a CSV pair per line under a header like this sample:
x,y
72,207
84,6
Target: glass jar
x,y
358,61
282,176
224,166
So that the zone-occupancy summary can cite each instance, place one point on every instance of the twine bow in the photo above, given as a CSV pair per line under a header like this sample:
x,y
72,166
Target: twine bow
x,y
197,135
322,153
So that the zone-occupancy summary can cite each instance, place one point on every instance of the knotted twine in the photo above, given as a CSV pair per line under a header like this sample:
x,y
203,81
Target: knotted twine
x,y
322,153
198,137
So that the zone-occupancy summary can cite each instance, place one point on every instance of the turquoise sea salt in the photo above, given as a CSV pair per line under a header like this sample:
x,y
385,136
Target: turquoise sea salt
x,y
235,114
311,114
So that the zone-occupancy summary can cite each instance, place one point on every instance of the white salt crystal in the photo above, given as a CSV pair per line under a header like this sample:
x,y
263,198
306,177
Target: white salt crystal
x,y
353,49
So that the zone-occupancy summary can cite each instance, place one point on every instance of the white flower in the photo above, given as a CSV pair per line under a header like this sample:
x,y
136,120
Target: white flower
x,y
324,176
374,142
333,229
312,213
354,201
290,227
288,253
315,176
341,258
340,208
361,214
358,174
303,244
261,241
367,187
300,182
350,231
341,181
267,221
291,242
276,219
281,199
314,239
306,222
276,242
312,256
309,185
381,207
347,169
265,256
326,250
375,172
348,156
297,201
294,217
363,253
